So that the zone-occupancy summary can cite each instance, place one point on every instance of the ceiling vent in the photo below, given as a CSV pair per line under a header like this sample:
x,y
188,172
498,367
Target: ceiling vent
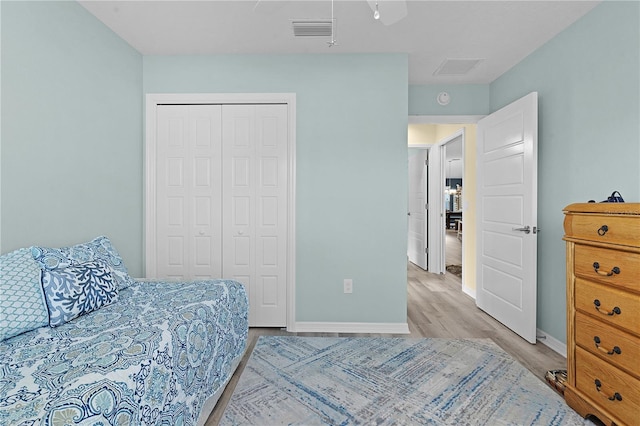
x,y
456,66
312,27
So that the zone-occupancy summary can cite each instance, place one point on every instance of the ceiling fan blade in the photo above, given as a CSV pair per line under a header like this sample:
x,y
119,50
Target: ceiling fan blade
x,y
391,11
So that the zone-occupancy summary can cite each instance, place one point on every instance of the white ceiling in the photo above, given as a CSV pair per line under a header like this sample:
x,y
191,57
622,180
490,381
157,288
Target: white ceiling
x,y
501,33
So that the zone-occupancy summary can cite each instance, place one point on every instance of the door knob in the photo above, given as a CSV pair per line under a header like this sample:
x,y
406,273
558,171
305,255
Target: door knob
x,y
526,229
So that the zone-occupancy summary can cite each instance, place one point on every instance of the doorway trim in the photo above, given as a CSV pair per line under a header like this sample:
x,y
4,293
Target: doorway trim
x,y
151,104
445,119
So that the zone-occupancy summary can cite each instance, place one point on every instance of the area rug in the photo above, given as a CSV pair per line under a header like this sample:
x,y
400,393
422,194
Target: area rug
x,y
390,381
454,269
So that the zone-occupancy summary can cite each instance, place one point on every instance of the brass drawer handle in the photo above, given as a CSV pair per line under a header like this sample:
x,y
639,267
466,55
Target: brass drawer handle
x,y
614,270
614,311
616,396
603,230
616,350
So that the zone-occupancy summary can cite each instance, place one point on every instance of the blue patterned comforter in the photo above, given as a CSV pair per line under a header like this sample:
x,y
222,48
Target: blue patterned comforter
x,y
153,357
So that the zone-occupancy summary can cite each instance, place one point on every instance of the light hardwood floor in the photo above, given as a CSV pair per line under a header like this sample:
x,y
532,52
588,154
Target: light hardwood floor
x,y
436,307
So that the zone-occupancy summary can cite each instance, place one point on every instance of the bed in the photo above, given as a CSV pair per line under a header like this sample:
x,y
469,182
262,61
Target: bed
x,y
161,355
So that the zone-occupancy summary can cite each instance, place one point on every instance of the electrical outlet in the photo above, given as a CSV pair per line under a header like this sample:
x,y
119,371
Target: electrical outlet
x,y
348,285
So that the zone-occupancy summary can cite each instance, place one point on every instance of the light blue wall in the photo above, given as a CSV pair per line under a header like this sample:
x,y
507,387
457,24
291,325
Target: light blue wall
x,y
71,130
589,130
71,165
466,99
351,169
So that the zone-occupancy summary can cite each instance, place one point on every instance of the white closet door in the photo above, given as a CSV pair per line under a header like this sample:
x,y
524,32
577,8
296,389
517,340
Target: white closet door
x,y
188,192
254,147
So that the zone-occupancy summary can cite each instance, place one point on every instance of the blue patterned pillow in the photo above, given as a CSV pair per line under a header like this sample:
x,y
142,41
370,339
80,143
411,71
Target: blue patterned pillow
x,y
99,249
22,305
77,289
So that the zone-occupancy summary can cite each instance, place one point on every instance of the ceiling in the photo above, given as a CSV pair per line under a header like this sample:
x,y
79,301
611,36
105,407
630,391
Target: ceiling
x,y
499,33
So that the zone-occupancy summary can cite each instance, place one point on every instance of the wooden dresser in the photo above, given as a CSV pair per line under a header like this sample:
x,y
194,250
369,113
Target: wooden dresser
x,y
603,311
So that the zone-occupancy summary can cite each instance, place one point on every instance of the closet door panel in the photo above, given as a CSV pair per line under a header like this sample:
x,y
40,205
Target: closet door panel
x,y
205,235
271,220
172,191
238,191
255,144
188,192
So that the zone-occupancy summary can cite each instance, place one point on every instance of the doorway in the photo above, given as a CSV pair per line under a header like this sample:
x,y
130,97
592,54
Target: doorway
x,y
446,197
449,154
439,133
453,209
453,196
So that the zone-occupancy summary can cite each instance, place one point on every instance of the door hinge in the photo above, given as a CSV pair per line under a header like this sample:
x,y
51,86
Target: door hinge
x,y
426,250
426,206
426,162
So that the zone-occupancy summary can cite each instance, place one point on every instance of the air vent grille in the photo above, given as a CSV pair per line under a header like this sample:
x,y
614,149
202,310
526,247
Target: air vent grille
x,y
456,66
312,27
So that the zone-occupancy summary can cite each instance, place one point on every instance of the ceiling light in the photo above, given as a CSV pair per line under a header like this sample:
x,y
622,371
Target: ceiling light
x,y
376,14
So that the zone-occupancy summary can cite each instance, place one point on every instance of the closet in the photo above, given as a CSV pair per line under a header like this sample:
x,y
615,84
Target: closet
x,y
220,186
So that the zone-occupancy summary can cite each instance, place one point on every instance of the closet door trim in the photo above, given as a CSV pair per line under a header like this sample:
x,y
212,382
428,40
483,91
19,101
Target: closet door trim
x,y
152,102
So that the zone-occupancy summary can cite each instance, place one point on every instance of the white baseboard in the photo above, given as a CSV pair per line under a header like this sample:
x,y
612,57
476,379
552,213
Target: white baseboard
x,y
399,328
469,291
551,342
351,327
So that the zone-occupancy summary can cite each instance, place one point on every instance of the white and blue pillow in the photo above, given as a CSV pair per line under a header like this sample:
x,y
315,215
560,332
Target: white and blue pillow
x,y
77,289
22,304
99,249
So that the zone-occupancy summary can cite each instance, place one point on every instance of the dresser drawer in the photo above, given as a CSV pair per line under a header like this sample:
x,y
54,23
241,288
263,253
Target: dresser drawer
x,y
609,304
621,229
609,343
613,267
612,389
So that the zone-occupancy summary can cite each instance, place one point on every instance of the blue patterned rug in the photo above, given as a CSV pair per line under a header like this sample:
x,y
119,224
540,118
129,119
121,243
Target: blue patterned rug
x,y
385,381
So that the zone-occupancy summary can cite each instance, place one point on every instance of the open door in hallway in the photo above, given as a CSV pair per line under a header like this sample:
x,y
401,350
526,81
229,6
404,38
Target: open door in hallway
x,y
417,215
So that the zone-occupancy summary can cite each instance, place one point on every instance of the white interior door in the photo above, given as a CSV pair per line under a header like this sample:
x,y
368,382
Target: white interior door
x,y
507,215
417,238
188,177
254,147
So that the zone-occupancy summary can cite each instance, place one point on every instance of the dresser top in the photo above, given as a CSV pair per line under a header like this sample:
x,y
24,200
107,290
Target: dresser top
x,y
604,208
